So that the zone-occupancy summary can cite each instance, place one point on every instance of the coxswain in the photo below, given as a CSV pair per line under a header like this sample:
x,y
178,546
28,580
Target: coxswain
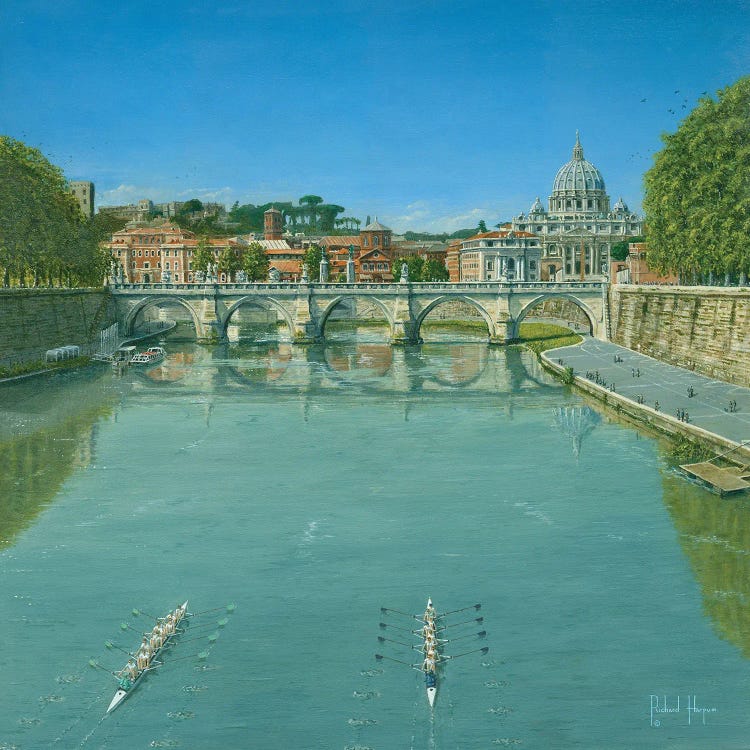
x,y
429,613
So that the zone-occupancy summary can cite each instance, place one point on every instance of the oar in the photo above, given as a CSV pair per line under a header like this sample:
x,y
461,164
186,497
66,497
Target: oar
x,y
385,610
229,608
201,655
109,644
137,612
481,634
172,644
463,609
400,643
202,627
466,653
92,663
125,626
465,622
379,657
396,627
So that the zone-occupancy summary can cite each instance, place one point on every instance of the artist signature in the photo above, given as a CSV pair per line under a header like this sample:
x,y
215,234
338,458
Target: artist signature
x,y
663,707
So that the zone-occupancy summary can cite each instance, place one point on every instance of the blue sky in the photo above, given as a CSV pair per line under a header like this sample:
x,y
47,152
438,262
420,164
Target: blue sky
x,y
430,115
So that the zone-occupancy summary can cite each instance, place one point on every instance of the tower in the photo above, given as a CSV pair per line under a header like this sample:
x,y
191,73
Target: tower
x,y
272,224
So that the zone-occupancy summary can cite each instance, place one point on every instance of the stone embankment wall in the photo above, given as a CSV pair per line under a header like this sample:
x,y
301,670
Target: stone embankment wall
x,y
35,320
706,329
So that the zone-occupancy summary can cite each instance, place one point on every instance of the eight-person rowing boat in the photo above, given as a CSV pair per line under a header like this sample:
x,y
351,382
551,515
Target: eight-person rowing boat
x,y
432,625
144,658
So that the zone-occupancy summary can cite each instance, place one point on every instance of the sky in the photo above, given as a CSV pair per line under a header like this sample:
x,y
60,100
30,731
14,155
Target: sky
x,y
428,115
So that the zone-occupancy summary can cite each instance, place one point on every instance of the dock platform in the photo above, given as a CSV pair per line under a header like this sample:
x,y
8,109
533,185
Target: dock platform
x,y
724,481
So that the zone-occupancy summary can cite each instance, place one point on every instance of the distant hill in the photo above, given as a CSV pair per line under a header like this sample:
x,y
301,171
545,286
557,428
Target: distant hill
x,y
461,234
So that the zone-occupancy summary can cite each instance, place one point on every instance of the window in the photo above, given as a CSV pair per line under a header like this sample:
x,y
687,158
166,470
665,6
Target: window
x,y
140,252
375,239
532,265
147,265
166,266
364,240
176,266
490,265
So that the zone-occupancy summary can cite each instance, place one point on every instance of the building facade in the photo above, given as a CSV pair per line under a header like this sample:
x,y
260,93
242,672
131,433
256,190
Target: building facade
x,y
505,255
145,253
579,223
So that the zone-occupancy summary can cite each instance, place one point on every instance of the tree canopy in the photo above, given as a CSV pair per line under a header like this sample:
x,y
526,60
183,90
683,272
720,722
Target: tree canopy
x,y
44,237
697,194
255,262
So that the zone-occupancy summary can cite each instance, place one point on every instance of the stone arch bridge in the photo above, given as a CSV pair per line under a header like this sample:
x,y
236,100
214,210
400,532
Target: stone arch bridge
x,y
306,307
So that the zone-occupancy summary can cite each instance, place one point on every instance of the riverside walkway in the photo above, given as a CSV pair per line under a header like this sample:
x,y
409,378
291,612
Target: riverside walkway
x,y
639,375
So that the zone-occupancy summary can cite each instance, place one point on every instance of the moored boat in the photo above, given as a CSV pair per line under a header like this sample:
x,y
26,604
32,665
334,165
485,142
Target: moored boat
x,y
127,683
151,356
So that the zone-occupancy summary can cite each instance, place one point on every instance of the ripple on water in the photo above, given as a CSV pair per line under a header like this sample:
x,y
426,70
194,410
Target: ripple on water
x,y
507,741
164,743
181,715
365,695
194,688
500,710
51,699
371,672
25,721
65,679
357,747
361,722
496,683
3,746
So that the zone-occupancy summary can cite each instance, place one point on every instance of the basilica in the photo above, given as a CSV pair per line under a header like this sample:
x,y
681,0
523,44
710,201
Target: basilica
x,y
579,223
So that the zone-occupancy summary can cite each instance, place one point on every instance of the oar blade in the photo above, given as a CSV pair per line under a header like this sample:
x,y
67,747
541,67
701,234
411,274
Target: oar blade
x,y
203,655
231,607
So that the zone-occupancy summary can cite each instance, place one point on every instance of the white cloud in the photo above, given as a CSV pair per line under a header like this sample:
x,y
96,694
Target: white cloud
x,y
421,216
125,194
212,195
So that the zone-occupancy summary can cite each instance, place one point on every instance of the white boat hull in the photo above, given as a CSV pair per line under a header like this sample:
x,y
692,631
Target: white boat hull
x,y
431,693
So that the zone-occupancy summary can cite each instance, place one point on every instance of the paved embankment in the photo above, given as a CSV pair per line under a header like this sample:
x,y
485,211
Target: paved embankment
x,y
664,389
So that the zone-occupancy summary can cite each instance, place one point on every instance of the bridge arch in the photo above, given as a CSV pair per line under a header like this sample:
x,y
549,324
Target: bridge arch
x,y
257,302
340,298
580,304
147,302
454,298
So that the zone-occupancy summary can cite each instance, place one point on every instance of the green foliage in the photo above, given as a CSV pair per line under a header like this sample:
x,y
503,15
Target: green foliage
x,y
619,251
434,270
190,206
415,264
539,337
697,199
683,450
310,200
44,238
255,262
203,256
481,227
229,261
312,257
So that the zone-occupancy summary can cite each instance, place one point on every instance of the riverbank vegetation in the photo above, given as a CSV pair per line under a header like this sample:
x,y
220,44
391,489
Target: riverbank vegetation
x,y
39,365
697,202
539,337
44,238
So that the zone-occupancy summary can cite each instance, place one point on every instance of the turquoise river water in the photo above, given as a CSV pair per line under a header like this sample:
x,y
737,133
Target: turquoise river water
x,y
312,486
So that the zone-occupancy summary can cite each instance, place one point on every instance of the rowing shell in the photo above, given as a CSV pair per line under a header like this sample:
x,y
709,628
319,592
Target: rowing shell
x,y
430,678
122,693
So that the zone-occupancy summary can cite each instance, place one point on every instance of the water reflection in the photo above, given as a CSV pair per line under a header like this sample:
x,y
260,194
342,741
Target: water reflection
x,y
576,422
715,536
47,430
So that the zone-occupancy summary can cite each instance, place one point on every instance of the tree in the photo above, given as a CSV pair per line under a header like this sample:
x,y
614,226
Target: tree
x,y
414,263
190,206
43,235
204,255
482,227
697,197
434,270
620,250
312,257
229,261
310,200
255,262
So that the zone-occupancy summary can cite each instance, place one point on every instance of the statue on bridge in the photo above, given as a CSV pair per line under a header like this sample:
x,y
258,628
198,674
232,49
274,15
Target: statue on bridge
x,y
241,277
404,273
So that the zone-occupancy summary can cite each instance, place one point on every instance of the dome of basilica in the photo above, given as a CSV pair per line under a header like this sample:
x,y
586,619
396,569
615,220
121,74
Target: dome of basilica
x,y
578,174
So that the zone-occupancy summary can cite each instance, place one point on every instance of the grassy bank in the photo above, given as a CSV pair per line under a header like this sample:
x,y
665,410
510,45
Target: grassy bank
x,y
39,365
539,337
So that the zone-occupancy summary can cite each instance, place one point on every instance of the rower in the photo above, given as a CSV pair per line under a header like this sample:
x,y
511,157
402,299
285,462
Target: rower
x,y
428,629
142,658
428,665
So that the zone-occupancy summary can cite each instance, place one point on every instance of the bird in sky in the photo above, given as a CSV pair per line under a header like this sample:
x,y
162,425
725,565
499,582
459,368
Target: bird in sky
x,y
671,111
643,100
677,91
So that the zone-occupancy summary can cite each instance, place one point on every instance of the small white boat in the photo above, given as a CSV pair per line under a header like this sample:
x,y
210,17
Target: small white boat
x,y
126,686
151,356
430,677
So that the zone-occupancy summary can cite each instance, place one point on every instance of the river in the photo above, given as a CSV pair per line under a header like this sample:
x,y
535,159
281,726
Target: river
x,y
310,487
